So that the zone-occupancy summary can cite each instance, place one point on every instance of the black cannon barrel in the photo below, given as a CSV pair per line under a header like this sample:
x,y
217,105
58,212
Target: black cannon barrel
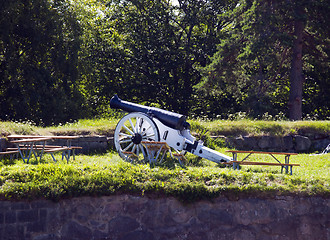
x,y
170,119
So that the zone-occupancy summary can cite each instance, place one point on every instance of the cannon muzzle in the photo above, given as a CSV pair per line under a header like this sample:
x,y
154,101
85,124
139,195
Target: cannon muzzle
x,y
170,119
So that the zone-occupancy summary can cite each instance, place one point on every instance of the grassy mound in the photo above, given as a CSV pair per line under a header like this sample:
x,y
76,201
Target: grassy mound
x,y
216,127
101,175
107,174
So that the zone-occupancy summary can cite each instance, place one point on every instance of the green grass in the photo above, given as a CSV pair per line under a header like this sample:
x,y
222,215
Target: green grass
x,y
258,128
85,127
100,175
216,127
81,127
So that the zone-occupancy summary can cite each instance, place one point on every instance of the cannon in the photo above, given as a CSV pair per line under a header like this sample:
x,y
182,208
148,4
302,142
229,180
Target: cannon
x,y
149,124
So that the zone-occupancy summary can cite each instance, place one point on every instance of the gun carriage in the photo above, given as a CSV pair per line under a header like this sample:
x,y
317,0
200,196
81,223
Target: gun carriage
x,y
145,124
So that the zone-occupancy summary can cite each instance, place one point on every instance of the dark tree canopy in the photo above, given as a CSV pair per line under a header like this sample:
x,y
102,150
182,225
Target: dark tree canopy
x,y
62,60
38,61
268,56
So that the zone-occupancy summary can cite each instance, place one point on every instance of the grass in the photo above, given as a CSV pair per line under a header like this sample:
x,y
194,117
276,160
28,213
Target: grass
x,y
81,127
217,127
258,128
107,174
99,175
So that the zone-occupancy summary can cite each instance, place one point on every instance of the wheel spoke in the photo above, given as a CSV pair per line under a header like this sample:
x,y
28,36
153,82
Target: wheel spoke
x,y
130,131
148,136
125,141
130,145
140,125
146,129
132,125
125,135
142,150
137,125
137,150
134,147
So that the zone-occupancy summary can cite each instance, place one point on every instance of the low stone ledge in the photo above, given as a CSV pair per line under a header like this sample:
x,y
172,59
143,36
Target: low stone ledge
x,y
143,218
2,144
89,144
294,143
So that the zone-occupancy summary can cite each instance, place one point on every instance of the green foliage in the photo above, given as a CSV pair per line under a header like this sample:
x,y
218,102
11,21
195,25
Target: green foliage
x,y
252,65
162,43
39,44
63,60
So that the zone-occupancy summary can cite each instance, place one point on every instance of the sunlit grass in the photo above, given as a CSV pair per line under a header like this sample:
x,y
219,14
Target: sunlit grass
x,y
7,128
258,128
311,166
100,126
104,126
107,174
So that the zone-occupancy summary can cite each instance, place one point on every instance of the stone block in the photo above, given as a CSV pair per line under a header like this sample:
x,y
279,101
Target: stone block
x,y
286,228
2,217
230,142
275,143
28,215
20,206
270,142
75,231
138,235
239,142
302,144
46,236
2,144
264,142
37,226
250,143
101,235
178,213
42,204
197,235
13,232
320,145
111,142
89,144
122,224
287,143
10,217
219,217
83,212
253,211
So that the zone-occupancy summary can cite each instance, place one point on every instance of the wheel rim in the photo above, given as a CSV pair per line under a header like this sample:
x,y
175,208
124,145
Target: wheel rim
x,y
131,130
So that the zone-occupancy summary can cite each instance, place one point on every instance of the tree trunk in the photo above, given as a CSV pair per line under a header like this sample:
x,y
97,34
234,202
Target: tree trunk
x,y
296,75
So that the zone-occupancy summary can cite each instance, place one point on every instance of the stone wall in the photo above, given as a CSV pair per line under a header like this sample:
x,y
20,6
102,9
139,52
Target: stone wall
x,y
89,144
290,143
294,143
3,144
127,217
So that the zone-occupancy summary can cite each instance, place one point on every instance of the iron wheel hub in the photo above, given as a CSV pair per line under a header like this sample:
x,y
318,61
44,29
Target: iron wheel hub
x,y
137,138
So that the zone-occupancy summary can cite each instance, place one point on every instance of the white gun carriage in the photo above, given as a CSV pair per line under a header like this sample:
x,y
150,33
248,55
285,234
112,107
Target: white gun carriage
x,y
145,124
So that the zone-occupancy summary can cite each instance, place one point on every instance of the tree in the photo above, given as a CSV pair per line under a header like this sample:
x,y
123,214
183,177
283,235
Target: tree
x,y
262,51
296,78
39,44
159,48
